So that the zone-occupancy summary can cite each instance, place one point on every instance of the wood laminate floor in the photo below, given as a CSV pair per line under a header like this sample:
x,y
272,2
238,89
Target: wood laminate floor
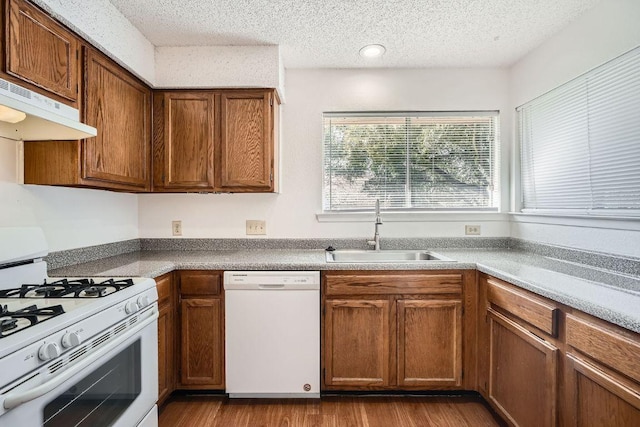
x,y
333,411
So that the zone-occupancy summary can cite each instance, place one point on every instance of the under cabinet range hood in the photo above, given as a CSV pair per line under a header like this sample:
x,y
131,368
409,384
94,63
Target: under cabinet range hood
x,y
29,116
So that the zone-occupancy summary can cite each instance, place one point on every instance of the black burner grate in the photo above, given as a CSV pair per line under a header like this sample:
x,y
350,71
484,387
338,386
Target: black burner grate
x,y
68,288
10,320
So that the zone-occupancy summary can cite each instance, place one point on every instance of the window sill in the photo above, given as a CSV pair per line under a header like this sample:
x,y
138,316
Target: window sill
x,y
412,216
576,220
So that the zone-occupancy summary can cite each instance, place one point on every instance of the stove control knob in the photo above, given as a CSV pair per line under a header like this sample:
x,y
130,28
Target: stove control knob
x,y
143,301
131,307
48,351
71,339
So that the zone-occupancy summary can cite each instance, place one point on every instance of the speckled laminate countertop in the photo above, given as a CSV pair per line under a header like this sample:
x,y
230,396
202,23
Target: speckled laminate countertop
x,y
606,295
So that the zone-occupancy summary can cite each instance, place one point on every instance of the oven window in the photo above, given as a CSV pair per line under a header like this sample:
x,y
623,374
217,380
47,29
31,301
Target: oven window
x,y
102,396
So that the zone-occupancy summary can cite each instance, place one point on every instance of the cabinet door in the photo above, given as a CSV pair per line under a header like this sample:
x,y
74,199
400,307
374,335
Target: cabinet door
x,y
166,357
202,343
597,399
522,374
247,142
41,51
429,342
119,107
189,132
356,343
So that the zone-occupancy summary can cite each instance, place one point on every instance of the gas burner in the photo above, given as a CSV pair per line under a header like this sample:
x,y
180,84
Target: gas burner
x,y
94,291
8,324
14,321
68,288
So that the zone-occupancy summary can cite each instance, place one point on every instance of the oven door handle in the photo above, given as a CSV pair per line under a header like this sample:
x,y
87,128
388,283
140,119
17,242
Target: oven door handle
x,y
18,398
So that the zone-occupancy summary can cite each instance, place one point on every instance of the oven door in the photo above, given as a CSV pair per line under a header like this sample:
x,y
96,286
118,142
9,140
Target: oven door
x,y
118,387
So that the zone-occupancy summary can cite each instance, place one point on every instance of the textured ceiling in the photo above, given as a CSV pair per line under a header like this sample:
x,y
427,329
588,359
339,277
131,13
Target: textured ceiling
x,y
329,33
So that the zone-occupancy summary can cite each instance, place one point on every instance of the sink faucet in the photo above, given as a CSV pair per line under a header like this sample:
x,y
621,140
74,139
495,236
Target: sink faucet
x,y
376,237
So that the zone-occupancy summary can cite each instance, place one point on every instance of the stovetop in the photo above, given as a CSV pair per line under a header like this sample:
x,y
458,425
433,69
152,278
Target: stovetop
x,y
68,288
16,319
42,301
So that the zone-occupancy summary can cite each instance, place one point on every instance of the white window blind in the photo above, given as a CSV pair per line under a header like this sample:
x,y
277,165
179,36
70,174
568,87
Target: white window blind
x,y
411,160
580,143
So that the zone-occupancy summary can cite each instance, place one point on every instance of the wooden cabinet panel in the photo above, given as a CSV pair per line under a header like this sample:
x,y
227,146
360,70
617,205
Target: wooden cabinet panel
x,y
184,140
166,336
41,51
597,399
532,310
605,346
356,343
429,343
405,284
522,374
118,105
246,159
202,343
166,356
199,283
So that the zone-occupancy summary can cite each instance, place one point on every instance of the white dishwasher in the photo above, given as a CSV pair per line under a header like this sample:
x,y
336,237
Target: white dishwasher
x,y
272,333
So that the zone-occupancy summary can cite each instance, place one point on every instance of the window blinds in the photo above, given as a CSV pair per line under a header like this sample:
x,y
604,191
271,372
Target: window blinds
x,y
580,143
411,161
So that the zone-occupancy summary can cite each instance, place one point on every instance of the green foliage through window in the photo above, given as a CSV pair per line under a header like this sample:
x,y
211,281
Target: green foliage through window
x,y
411,161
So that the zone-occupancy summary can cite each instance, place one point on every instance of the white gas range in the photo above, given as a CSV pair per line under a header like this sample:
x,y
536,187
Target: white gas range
x,y
73,351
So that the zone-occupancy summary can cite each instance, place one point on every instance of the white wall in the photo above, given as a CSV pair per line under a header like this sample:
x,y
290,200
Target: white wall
x,y
101,23
310,92
70,217
218,66
603,33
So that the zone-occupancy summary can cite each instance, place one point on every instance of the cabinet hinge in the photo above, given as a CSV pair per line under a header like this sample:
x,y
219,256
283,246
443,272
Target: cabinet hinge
x,y
271,101
271,177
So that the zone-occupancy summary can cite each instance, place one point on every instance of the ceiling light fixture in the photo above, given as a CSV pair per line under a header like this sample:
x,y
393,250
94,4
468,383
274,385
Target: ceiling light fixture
x,y
372,51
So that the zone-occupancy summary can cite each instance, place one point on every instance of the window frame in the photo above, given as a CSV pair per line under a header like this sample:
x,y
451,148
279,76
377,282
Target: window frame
x,y
409,213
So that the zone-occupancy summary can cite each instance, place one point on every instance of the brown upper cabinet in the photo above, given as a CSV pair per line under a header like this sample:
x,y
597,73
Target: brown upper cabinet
x,y
183,138
40,51
215,140
118,158
119,106
246,156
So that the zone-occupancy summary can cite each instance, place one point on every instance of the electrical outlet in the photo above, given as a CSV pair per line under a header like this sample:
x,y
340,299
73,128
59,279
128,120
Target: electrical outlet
x,y
176,228
255,226
472,230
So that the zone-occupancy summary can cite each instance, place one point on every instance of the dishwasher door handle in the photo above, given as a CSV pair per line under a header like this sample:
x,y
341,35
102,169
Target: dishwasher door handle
x,y
278,286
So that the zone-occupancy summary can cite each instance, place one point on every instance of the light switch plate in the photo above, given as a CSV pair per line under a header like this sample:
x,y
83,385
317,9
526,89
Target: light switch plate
x,y
256,226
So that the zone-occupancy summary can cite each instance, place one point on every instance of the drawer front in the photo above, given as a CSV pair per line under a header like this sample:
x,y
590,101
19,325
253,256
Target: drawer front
x,y
198,283
163,285
604,346
534,311
405,284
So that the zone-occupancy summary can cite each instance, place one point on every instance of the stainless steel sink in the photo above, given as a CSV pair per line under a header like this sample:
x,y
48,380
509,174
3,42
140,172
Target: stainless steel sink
x,y
348,255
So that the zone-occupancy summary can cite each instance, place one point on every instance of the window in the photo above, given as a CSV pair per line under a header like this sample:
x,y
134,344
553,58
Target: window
x,y
580,143
411,161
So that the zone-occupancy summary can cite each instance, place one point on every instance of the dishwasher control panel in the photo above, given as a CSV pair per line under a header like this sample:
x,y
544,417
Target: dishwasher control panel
x,y
271,279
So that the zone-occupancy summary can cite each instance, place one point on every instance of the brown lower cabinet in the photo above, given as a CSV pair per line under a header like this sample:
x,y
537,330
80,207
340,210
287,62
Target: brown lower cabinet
x,y
394,330
201,342
166,336
544,364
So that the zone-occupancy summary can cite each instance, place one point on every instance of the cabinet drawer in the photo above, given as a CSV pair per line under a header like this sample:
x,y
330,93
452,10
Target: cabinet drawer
x,y
405,284
534,311
163,285
199,283
605,346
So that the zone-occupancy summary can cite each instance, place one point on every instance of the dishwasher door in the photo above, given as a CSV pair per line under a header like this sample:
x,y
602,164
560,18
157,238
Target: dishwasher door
x,y
272,333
